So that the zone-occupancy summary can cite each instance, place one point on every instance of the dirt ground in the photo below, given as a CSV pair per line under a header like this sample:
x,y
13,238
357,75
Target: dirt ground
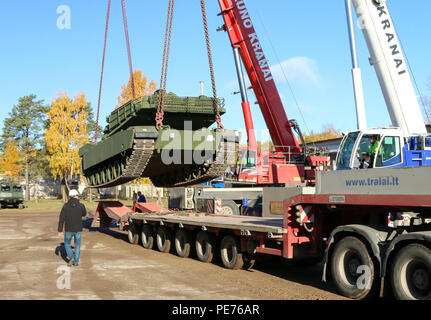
x,y
31,267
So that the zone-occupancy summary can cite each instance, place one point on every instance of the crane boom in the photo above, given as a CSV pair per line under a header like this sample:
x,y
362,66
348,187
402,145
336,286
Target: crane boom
x,y
390,66
243,36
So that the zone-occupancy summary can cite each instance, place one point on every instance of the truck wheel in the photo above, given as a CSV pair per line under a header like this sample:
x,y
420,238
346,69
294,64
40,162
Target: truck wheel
x,y
21,206
132,234
352,268
229,208
229,252
147,236
183,243
411,273
163,239
205,246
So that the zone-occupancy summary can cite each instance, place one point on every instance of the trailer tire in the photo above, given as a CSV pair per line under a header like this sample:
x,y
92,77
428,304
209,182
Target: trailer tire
x,y
183,243
348,256
411,273
229,253
163,239
147,236
205,246
132,234
229,208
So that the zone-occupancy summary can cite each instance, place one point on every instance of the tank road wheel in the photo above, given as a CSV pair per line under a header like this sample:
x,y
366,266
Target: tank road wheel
x,y
132,234
205,246
163,239
183,243
147,236
352,268
230,253
411,273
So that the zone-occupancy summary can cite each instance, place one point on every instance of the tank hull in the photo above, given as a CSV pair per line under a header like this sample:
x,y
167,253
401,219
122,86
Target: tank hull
x,y
183,153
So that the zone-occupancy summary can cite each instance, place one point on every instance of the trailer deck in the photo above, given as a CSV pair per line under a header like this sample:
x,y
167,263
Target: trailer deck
x,y
245,223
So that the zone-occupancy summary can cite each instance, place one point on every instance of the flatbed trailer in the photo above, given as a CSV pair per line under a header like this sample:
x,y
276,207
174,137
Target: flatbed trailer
x,y
347,227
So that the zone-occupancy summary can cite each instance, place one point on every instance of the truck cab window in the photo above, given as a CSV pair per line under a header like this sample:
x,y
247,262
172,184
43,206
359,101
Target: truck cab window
x,y
389,153
345,154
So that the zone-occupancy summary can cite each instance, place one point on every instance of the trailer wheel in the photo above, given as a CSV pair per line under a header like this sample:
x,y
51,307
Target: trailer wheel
x,y
183,243
229,252
132,234
229,208
411,273
352,268
205,246
163,239
147,236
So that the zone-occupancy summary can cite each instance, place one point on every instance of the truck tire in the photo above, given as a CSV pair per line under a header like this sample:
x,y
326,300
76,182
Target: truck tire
x,y
21,206
411,273
163,239
230,253
229,208
147,236
205,246
132,234
352,268
183,243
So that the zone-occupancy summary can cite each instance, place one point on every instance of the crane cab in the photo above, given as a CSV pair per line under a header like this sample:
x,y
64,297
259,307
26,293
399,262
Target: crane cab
x,y
382,148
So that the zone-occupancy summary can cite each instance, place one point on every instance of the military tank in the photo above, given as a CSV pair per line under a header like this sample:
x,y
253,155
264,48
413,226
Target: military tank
x,y
184,152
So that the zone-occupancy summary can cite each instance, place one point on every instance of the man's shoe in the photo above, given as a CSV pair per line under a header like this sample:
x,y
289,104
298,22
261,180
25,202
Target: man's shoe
x,y
76,265
70,263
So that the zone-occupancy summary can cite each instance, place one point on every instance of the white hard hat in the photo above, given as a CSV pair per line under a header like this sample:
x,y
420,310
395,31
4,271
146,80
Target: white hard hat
x,y
73,193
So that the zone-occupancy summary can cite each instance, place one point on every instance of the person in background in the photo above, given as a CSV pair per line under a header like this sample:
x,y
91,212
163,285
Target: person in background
x,y
71,221
141,197
135,197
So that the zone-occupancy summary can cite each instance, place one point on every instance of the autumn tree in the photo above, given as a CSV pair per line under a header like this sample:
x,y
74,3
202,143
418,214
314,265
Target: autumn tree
x,y
67,132
328,132
142,88
24,125
10,165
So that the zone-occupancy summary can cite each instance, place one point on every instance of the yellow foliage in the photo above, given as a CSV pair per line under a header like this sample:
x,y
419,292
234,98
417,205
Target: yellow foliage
x,y
9,162
142,181
142,88
67,133
329,132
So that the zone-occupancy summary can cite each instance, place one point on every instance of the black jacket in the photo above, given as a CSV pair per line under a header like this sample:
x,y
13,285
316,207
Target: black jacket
x,y
71,216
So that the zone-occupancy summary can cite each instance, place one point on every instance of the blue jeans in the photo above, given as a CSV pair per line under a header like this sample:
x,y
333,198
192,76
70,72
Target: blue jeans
x,y
68,240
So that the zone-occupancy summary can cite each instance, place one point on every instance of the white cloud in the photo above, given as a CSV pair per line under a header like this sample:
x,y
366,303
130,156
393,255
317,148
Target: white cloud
x,y
300,70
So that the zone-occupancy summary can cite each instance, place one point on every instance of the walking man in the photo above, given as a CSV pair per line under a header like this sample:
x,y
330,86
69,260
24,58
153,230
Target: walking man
x,y
71,219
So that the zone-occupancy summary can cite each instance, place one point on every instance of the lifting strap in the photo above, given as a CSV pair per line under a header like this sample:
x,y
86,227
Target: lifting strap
x,y
126,31
165,62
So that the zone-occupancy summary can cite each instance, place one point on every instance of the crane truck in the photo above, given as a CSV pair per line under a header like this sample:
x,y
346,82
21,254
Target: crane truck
x,y
343,217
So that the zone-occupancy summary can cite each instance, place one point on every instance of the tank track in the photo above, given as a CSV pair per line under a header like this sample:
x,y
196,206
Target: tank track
x,y
195,174
122,169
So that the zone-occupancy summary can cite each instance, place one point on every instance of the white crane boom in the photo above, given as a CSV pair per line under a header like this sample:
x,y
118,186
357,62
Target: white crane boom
x,y
390,66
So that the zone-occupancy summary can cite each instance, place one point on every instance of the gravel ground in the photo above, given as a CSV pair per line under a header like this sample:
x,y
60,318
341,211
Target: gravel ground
x,y
32,267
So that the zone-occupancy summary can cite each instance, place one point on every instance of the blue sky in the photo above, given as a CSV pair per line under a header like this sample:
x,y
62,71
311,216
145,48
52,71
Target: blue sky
x,y
309,38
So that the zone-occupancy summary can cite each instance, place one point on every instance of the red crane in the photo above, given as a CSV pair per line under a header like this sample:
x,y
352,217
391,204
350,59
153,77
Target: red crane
x,y
289,163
